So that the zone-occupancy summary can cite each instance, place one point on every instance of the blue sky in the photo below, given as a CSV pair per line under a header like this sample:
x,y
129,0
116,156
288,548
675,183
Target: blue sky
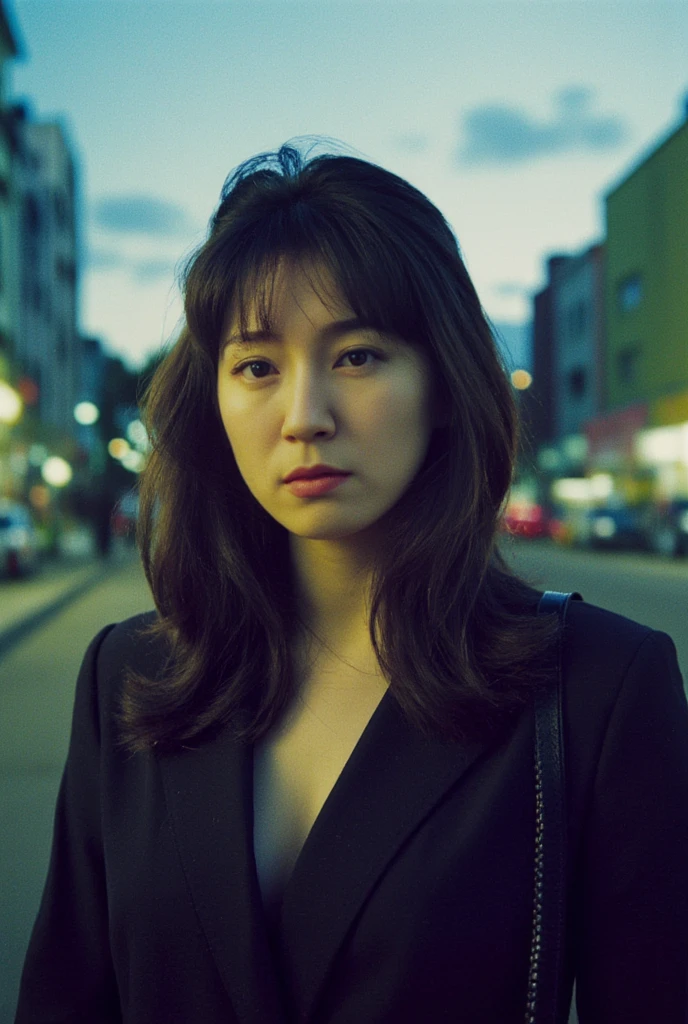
x,y
513,116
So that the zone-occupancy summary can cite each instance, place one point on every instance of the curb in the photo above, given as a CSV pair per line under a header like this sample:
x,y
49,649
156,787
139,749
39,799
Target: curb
x,y
19,630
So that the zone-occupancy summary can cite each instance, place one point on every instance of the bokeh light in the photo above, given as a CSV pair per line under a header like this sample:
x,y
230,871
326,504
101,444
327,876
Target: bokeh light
x,y
39,496
521,379
11,405
56,471
118,448
86,413
138,435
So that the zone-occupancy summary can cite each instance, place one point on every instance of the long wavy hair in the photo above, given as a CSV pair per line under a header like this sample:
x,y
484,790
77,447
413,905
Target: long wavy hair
x,y
453,628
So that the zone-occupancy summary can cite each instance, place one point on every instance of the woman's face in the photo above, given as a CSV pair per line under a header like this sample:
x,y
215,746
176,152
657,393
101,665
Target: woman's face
x,y
352,399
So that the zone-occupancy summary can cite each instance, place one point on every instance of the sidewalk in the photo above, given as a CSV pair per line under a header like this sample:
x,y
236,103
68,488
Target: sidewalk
x,y
26,603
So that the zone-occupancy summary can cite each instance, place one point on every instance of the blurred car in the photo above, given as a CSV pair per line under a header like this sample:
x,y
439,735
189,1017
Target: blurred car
x,y
125,516
526,519
569,525
667,528
618,526
18,540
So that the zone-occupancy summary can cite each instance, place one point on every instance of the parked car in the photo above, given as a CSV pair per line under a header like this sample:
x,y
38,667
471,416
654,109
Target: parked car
x,y
618,526
526,519
570,525
668,528
124,516
18,540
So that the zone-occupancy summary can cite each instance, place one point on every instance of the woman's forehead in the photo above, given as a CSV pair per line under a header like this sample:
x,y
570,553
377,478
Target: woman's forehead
x,y
263,290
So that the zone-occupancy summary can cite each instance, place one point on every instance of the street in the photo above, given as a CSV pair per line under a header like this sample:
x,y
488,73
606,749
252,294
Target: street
x,y
37,678
641,586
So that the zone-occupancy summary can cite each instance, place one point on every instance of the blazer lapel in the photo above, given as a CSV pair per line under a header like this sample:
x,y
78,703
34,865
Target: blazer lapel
x,y
392,780
209,795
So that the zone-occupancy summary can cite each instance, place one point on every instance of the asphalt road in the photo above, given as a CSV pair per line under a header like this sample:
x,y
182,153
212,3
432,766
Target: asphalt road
x,y
37,680
643,587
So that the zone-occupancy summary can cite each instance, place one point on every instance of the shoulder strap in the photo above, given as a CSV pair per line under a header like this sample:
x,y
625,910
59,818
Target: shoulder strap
x,y
546,954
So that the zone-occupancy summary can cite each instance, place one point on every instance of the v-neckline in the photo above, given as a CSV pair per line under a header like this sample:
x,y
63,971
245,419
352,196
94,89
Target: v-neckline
x,y
269,863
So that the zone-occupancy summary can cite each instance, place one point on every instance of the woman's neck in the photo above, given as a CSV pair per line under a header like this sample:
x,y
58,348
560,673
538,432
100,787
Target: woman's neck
x,y
333,587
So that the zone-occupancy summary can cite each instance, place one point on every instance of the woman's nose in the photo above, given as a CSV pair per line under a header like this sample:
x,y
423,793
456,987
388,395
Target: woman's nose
x,y
308,410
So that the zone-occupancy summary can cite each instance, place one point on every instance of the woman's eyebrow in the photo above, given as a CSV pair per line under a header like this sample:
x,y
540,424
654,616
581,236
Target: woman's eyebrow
x,y
330,331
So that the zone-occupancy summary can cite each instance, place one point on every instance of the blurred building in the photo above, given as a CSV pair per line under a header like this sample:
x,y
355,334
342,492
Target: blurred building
x,y
8,305
46,344
568,360
647,277
538,403
93,363
606,417
578,335
39,350
643,427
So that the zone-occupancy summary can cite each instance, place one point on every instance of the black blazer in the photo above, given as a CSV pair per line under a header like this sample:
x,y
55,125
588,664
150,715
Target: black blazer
x,y
411,901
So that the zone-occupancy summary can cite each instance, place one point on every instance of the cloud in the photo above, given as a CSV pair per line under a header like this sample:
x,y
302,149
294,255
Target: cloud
x,y
144,271
141,215
502,134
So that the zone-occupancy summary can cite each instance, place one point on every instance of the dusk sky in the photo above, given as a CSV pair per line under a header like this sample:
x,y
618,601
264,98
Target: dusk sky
x,y
513,117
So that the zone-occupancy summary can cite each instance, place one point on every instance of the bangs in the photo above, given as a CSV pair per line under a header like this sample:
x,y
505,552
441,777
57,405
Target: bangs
x,y
344,260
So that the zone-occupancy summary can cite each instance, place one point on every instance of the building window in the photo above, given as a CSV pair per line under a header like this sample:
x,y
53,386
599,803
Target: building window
x,y
577,383
32,217
61,210
65,270
577,317
31,287
628,364
630,293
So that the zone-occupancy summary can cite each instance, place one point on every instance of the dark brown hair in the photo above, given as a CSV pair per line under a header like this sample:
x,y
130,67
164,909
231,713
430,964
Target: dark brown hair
x,y
475,649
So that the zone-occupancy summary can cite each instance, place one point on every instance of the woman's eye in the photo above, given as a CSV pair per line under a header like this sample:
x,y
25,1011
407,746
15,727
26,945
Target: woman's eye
x,y
253,363
358,352
354,355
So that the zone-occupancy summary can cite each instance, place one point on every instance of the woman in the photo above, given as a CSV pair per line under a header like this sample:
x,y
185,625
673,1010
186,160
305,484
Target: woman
x,y
303,789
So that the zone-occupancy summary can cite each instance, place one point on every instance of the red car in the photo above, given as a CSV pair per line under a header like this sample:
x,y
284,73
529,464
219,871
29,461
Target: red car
x,y
527,520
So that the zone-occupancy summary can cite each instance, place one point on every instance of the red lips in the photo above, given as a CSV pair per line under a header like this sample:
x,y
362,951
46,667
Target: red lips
x,y
311,472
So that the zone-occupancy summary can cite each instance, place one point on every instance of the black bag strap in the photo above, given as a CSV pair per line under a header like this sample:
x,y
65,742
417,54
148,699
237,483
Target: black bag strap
x,y
547,944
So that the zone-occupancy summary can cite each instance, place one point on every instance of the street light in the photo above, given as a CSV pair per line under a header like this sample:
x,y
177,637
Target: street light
x,y
86,413
134,461
521,380
11,405
118,447
138,435
56,471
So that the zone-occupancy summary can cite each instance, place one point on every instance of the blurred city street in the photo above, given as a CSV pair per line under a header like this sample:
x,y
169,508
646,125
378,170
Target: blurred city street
x,y
38,674
37,679
640,585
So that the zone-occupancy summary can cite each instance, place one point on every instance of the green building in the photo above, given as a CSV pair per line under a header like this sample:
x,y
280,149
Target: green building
x,y
646,290
640,439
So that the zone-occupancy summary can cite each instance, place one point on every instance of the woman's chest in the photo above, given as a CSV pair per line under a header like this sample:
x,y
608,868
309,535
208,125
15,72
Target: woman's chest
x,y
298,764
